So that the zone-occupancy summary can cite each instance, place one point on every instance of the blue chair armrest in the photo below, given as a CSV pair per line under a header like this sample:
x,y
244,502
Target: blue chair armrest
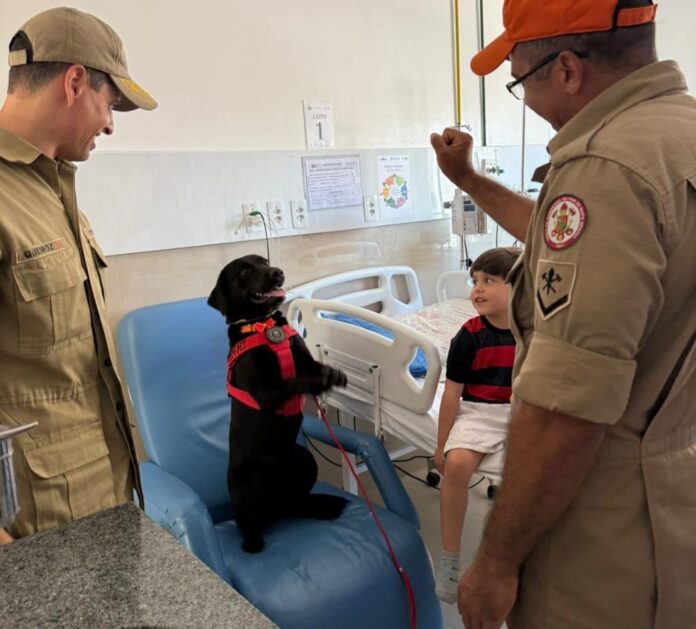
x,y
176,507
376,459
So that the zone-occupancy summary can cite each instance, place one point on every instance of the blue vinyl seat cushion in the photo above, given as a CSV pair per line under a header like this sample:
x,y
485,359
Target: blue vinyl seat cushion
x,y
312,560
312,574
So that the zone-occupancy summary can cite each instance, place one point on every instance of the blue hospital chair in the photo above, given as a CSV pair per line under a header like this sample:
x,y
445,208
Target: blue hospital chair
x,y
312,574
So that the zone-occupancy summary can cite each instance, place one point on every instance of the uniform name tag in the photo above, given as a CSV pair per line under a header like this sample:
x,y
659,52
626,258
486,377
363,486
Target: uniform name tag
x,y
40,250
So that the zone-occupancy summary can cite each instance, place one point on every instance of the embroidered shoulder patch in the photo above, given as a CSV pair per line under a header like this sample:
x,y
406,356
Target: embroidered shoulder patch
x,y
554,286
564,222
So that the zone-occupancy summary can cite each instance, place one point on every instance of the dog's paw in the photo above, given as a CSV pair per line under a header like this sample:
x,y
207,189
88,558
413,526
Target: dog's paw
x,y
331,377
253,544
322,380
324,506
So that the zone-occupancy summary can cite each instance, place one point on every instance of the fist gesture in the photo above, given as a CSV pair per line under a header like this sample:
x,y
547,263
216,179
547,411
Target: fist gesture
x,y
453,149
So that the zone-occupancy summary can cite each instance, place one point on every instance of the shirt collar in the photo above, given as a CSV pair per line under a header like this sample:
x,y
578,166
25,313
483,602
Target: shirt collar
x,y
656,79
13,148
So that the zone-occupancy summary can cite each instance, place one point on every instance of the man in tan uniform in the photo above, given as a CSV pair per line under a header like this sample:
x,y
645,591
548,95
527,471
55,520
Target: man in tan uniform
x,y
595,523
68,72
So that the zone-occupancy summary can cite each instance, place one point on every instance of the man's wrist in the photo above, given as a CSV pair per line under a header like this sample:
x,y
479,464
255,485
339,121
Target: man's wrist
x,y
468,181
495,563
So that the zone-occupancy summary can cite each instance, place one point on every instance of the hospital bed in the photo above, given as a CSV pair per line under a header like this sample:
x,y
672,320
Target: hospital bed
x,y
347,318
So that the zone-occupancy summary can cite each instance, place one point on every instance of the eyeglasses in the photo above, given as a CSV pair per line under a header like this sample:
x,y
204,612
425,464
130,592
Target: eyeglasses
x,y
517,89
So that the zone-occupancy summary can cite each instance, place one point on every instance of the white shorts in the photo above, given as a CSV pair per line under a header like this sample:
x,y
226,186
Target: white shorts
x,y
479,427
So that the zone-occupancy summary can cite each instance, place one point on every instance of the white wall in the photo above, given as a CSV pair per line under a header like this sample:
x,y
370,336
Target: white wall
x,y
676,27
503,111
232,75
676,30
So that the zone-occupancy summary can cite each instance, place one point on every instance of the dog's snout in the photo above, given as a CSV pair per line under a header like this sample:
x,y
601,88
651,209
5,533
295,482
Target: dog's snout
x,y
278,276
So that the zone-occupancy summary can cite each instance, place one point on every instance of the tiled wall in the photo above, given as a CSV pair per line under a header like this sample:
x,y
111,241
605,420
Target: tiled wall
x,y
143,279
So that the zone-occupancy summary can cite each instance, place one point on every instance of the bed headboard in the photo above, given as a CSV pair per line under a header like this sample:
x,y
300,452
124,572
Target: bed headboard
x,y
369,288
358,351
453,284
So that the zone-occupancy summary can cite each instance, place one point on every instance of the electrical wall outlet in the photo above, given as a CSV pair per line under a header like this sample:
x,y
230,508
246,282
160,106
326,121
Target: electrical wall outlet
x,y
298,213
277,215
252,223
371,208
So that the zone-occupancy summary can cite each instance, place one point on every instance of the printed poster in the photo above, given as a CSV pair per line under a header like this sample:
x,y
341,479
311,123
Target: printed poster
x,y
394,177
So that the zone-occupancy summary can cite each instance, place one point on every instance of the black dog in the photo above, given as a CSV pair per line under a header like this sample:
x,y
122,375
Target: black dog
x,y
269,474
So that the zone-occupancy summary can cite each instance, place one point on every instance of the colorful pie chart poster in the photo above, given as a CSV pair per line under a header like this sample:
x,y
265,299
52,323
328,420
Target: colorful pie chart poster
x,y
394,176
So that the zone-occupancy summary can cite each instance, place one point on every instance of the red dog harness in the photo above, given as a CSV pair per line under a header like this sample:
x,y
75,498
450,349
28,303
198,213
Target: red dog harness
x,y
278,339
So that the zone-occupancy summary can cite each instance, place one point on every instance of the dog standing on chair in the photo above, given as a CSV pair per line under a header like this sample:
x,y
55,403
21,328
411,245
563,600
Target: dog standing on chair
x,y
269,371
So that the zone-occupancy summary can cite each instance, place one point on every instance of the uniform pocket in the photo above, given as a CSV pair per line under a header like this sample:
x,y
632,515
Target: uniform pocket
x,y
70,477
51,302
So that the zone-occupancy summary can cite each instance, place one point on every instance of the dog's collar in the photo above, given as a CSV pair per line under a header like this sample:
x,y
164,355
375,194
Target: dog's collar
x,y
259,326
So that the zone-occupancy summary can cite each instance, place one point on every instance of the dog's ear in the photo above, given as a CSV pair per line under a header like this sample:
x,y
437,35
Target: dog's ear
x,y
217,299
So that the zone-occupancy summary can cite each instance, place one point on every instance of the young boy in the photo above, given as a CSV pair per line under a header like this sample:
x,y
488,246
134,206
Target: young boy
x,y
474,411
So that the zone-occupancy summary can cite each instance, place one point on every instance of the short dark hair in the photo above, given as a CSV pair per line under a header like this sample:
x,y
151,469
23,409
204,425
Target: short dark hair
x,y
33,76
623,49
496,261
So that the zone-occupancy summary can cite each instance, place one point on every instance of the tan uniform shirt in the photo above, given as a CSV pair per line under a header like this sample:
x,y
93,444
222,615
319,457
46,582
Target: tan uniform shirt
x,y
604,313
56,348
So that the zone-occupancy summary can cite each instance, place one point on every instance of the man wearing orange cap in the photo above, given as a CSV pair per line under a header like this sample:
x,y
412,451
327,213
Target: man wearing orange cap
x,y
68,73
593,526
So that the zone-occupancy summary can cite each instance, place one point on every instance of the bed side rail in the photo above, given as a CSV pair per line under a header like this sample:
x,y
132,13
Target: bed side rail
x,y
377,367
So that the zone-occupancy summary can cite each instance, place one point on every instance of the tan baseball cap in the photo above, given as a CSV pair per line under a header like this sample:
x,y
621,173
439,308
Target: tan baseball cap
x,y
67,35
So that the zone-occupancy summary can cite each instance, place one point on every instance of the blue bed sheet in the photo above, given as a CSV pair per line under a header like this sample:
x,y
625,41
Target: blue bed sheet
x,y
419,366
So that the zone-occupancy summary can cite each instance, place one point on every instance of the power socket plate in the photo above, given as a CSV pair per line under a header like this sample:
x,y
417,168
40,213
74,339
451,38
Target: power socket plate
x,y
252,223
299,214
371,208
277,215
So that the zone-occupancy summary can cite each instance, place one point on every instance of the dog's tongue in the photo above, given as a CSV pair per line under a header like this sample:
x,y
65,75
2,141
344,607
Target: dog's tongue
x,y
278,292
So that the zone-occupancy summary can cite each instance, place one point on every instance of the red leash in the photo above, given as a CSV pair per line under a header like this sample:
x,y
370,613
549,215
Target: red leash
x,y
392,554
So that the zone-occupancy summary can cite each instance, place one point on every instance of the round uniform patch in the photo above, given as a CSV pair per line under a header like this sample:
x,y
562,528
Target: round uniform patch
x,y
565,220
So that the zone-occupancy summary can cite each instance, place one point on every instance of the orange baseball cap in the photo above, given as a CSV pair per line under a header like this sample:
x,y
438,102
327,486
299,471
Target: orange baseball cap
x,y
527,20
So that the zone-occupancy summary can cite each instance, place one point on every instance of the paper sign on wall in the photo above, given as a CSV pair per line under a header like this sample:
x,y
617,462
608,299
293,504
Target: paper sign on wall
x,y
332,182
394,176
319,125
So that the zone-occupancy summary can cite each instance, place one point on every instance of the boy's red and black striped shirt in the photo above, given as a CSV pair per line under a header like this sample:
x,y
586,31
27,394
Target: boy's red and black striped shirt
x,y
481,357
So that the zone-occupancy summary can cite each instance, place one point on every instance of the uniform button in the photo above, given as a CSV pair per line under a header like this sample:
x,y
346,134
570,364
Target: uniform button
x,y
107,362
119,406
